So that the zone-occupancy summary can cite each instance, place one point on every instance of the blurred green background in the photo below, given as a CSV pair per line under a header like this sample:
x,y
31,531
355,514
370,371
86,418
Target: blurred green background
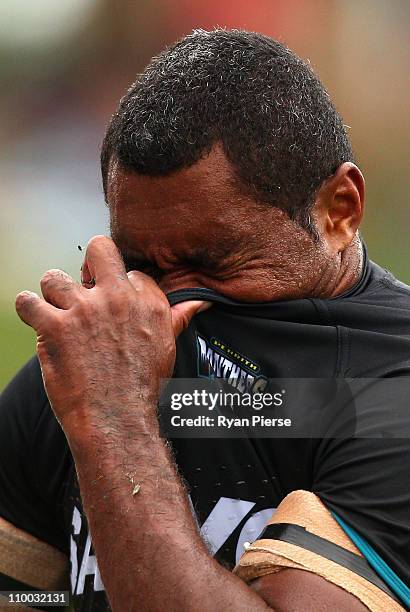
x,y
65,64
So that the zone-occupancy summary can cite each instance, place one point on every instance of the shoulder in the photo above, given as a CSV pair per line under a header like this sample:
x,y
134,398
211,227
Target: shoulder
x,y
384,288
22,405
373,326
34,456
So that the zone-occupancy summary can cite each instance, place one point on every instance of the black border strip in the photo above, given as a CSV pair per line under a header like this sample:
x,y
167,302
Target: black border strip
x,y
297,535
7,583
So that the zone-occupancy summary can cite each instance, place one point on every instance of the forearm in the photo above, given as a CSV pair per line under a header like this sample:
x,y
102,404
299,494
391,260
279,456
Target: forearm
x,y
122,332
148,548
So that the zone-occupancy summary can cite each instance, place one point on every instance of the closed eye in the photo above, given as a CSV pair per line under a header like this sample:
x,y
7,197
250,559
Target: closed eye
x,y
142,265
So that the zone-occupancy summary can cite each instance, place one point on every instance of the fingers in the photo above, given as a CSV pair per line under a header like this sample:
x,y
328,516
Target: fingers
x,y
139,279
59,289
103,262
183,312
32,310
87,280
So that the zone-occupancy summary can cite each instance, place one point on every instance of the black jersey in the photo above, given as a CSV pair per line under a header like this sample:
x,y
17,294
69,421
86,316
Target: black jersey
x,y
236,483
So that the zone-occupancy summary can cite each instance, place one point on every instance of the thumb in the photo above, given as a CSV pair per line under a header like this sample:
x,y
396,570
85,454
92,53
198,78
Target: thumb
x,y
183,312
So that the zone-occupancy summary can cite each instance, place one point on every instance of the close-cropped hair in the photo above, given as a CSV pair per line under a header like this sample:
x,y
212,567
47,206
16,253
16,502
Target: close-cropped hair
x,y
273,117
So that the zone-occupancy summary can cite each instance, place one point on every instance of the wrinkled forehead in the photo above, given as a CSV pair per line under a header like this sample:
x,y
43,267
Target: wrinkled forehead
x,y
211,181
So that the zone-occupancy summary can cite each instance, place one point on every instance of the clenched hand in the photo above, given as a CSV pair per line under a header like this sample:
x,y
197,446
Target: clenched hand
x,y
106,343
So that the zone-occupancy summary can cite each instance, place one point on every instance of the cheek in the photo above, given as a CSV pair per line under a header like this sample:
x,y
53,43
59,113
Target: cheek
x,y
181,279
313,257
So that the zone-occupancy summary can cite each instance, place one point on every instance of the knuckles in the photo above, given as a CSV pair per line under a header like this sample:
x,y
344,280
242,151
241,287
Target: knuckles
x,y
54,277
99,240
160,308
23,298
136,278
86,311
101,245
54,327
140,299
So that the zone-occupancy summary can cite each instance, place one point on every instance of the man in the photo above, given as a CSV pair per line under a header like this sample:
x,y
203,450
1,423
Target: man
x,y
230,182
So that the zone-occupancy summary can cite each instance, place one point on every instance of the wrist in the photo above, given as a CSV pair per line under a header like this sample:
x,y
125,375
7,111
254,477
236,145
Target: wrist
x,y
125,418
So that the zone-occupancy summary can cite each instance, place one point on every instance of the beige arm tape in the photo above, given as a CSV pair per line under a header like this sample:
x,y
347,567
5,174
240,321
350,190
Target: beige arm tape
x,y
29,560
268,556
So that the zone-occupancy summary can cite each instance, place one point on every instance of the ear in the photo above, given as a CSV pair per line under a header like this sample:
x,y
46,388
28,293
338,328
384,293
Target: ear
x,y
339,206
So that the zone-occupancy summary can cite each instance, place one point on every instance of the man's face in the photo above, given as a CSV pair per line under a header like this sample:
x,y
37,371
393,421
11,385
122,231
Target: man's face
x,y
195,229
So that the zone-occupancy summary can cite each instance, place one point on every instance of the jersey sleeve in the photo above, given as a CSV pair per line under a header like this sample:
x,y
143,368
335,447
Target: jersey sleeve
x,y
365,483
360,473
304,535
34,460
